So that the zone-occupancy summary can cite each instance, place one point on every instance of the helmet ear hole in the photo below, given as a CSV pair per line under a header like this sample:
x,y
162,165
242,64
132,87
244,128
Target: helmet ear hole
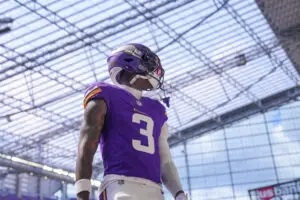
x,y
128,59
125,77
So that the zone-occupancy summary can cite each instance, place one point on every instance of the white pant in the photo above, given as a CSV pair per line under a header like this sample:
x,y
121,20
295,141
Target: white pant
x,y
115,187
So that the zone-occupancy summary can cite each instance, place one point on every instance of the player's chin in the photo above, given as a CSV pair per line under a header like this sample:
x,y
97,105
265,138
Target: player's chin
x,y
143,84
147,88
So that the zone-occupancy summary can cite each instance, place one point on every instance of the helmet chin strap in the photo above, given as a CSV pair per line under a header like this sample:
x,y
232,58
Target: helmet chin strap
x,y
153,82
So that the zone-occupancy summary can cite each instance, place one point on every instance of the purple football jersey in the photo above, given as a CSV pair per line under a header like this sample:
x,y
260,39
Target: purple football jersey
x,y
129,139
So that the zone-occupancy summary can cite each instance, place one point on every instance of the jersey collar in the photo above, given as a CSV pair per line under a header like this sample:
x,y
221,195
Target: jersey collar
x,y
136,93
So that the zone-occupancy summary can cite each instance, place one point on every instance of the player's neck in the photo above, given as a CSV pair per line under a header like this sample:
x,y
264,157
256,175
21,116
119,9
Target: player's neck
x,y
135,92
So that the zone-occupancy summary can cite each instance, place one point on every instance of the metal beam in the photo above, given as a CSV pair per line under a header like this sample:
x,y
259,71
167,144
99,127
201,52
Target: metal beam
x,y
226,63
238,114
57,18
9,143
188,46
28,143
101,30
37,69
24,103
272,57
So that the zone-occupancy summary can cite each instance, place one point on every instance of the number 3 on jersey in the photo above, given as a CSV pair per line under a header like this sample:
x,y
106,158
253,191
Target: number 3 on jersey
x,y
137,145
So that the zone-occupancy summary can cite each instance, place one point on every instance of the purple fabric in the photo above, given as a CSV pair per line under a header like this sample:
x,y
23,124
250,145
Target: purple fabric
x,y
126,61
119,131
9,197
23,197
76,199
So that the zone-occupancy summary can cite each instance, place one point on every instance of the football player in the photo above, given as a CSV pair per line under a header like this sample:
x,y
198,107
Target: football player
x,y
131,130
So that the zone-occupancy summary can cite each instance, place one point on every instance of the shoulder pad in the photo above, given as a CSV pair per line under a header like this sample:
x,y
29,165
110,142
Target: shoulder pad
x,y
94,90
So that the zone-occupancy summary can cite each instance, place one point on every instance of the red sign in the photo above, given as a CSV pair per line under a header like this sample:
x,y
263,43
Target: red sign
x,y
266,193
286,190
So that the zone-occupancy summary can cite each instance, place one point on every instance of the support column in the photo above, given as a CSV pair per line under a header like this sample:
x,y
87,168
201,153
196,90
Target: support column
x,y
40,178
229,164
18,185
271,147
40,188
64,191
94,194
187,170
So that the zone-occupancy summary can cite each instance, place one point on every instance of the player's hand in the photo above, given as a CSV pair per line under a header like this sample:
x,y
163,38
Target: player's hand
x,y
181,196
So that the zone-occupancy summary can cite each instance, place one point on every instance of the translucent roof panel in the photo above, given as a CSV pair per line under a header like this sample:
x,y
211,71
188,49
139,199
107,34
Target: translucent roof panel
x,y
218,56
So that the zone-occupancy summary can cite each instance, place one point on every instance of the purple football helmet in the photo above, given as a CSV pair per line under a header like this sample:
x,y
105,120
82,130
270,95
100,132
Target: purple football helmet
x,y
136,59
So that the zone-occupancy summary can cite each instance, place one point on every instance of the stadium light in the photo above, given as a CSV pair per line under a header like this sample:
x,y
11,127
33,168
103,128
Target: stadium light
x,y
5,24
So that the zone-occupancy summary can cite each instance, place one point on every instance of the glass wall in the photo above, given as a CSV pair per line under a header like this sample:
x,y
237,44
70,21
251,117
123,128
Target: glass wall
x,y
255,152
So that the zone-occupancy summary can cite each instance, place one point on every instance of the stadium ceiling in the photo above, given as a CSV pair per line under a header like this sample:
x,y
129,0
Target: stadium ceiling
x,y
220,57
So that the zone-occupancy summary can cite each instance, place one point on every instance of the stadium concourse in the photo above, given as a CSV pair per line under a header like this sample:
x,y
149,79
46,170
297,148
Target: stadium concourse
x,y
231,72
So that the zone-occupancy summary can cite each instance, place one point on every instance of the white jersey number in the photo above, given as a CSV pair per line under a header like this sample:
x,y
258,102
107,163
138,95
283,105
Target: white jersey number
x,y
137,118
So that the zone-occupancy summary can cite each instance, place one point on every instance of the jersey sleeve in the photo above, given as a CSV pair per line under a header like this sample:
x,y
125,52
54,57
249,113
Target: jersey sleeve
x,y
97,91
163,112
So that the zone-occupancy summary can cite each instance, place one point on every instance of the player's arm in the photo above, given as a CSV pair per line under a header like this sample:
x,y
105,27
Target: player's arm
x,y
94,115
169,173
